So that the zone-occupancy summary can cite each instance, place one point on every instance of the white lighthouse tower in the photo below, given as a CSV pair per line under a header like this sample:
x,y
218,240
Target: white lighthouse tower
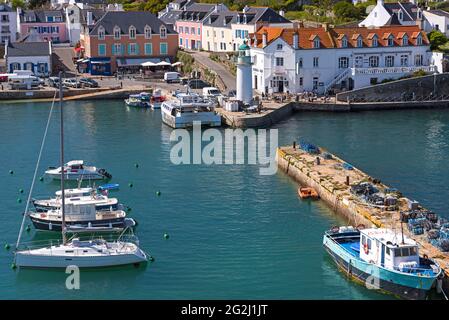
x,y
244,75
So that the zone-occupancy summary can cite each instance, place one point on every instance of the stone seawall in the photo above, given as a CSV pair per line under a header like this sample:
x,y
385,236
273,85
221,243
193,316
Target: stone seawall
x,y
435,85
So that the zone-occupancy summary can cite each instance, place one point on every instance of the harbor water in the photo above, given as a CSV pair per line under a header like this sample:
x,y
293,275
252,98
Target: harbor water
x,y
233,234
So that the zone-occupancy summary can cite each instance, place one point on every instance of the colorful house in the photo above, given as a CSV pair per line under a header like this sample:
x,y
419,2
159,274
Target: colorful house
x,y
126,39
8,23
49,24
189,24
33,56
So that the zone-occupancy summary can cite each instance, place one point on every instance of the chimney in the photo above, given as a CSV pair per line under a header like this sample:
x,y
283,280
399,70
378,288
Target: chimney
x,y
281,12
295,40
264,39
89,18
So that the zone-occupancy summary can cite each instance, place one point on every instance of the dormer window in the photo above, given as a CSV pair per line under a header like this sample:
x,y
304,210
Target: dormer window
x,y
400,15
344,42
147,32
316,42
405,40
419,40
244,18
163,32
279,46
100,33
419,13
390,41
116,33
375,42
132,32
359,42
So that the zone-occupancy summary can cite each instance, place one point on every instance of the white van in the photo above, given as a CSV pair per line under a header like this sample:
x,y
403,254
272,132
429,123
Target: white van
x,y
171,77
211,92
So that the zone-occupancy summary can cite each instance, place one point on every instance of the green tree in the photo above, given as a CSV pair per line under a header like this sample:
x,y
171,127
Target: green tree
x,y
37,3
345,10
436,38
18,4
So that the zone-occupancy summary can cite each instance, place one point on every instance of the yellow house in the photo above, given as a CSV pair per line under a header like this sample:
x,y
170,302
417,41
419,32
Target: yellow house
x,y
217,32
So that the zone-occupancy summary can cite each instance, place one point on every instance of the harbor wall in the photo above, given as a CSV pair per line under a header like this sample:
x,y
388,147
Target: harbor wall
x,y
435,85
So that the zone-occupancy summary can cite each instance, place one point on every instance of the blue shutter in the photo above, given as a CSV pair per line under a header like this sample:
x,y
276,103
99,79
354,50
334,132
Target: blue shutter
x,y
137,48
129,49
113,49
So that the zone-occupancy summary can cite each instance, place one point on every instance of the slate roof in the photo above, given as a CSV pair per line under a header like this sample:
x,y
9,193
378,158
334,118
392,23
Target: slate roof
x,y
440,12
221,19
5,8
126,19
170,17
40,15
24,49
96,15
261,14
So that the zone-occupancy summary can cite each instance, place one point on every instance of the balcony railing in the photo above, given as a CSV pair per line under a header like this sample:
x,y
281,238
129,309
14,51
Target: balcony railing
x,y
383,70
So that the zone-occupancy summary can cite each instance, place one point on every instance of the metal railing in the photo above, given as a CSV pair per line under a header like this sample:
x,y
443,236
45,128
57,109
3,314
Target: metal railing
x,y
402,98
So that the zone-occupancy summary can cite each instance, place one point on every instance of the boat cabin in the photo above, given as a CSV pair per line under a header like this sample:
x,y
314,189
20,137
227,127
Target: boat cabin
x,y
388,249
76,164
79,211
76,192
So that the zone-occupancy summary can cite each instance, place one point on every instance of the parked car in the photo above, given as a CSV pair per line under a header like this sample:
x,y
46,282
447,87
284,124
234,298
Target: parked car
x,y
71,82
211,92
232,93
170,77
87,82
53,82
197,84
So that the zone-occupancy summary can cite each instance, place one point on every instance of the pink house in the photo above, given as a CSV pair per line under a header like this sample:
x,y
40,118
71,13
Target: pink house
x,y
50,25
189,24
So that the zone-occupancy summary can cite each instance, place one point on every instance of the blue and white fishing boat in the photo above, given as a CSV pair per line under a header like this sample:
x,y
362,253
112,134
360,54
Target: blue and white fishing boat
x,y
382,260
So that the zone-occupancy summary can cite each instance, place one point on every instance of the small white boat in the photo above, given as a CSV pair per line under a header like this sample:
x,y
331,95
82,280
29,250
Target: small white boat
x,y
83,254
156,99
187,108
75,170
78,196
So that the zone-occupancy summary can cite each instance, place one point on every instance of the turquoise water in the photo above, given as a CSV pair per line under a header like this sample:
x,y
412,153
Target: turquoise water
x,y
233,233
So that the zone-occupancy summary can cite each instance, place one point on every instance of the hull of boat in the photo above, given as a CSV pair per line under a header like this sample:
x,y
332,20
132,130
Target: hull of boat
x,y
401,285
206,119
55,225
138,104
26,260
76,176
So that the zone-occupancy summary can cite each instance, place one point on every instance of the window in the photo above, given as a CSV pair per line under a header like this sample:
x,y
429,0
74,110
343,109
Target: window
x,y
358,62
390,41
101,49
405,40
149,48
437,27
404,60
100,33
222,34
375,43
187,30
315,62
132,32
279,62
199,31
163,32
373,61
359,42
192,30
181,29
301,81
418,60
116,33
116,49
316,42
389,61
419,41
207,33
387,251
132,49
300,62
344,42
180,41
400,15
147,32
343,62
369,244
279,46
163,48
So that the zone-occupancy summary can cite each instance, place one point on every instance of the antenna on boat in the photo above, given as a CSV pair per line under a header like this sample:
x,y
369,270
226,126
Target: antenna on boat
x,y
402,232
63,227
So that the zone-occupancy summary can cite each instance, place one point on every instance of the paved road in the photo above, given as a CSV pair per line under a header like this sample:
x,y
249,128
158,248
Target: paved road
x,y
224,73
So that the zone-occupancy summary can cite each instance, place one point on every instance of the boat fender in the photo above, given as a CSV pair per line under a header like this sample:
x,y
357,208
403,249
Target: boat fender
x,y
43,215
426,257
335,229
365,248
360,226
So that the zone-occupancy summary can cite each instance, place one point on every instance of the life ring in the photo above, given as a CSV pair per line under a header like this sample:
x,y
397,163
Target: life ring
x,y
43,215
425,257
365,248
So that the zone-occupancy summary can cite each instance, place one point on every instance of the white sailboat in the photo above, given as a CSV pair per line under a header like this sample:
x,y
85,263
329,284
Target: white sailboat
x,y
82,253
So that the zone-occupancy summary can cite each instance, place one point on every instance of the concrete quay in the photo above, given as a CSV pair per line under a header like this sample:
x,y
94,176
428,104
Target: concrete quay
x,y
329,179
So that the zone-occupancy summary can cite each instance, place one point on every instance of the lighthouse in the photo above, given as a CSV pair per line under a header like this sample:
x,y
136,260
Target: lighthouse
x,y
244,75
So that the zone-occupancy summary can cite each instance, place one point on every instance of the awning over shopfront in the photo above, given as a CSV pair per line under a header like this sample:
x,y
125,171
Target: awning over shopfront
x,y
146,62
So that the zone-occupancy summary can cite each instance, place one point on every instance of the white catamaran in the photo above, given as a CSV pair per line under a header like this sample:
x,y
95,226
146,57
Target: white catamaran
x,y
91,253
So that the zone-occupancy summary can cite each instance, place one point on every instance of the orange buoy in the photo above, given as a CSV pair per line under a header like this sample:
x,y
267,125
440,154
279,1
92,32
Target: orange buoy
x,y
308,193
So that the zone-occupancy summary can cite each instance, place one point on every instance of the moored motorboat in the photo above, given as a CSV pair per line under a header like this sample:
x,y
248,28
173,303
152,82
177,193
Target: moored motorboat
x,y
141,100
308,193
188,108
382,260
156,99
76,170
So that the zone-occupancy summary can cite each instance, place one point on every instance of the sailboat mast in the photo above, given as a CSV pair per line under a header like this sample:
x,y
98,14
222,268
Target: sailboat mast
x,y
63,228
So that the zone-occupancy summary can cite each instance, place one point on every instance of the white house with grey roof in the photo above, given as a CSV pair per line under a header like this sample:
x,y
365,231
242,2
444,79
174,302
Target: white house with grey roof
x,y
8,23
395,13
436,20
34,56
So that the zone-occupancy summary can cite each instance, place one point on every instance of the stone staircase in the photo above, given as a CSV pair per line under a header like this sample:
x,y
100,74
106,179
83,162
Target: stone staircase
x,y
339,78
